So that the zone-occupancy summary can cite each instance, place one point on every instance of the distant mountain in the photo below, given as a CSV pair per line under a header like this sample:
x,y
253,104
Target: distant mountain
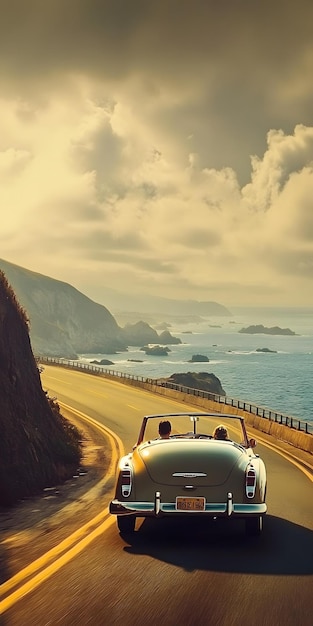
x,y
138,304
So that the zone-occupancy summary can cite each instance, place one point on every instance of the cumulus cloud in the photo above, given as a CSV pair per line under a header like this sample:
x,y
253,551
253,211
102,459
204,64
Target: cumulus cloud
x,y
126,143
285,156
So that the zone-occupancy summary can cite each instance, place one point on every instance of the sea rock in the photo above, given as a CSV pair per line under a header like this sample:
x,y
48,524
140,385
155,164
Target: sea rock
x,y
199,358
135,360
166,338
266,350
156,350
201,380
139,333
259,329
102,362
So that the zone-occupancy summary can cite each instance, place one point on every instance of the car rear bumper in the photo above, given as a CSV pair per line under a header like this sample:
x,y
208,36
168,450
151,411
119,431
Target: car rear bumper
x,y
211,509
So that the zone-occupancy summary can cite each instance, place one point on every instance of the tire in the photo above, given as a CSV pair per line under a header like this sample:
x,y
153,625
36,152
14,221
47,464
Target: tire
x,y
254,526
126,524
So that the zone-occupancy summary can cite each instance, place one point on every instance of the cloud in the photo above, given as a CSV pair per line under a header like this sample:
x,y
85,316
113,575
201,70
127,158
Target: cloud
x,y
95,188
222,74
285,156
126,136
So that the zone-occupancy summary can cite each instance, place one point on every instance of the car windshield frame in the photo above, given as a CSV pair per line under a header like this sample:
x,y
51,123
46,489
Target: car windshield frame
x,y
194,417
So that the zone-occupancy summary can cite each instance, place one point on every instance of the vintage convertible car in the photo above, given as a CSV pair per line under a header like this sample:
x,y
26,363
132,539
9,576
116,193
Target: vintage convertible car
x,y
191,472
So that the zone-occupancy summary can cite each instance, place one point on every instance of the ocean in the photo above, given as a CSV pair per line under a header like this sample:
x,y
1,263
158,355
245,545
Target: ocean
x,y
280,380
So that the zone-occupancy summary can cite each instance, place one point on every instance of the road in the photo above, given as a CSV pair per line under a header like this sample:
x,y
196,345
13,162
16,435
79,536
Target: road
x,y
195,574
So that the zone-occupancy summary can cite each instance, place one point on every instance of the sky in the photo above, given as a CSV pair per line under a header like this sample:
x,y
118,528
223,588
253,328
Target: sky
x,y
161,148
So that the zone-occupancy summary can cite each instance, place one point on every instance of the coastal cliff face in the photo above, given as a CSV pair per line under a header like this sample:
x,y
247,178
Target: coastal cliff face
x,y
63,321
66,323
38,447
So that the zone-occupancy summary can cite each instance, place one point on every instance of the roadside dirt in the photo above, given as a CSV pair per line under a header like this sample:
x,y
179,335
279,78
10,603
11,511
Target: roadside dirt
x,y
37,524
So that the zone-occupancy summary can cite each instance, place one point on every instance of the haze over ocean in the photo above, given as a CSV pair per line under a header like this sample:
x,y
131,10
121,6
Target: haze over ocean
x,y
281,381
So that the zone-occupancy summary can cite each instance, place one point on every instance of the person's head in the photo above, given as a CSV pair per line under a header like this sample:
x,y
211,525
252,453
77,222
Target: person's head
x,y
220,432
165,429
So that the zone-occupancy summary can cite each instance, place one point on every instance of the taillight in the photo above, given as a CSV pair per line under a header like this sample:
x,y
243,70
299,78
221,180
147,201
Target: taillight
x,y
250,481
126,481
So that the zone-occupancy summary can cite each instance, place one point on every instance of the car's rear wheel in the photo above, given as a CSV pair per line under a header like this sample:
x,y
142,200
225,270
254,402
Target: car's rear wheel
x,y
126,523
254,526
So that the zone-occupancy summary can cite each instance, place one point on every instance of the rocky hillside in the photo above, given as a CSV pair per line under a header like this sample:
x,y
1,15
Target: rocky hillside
x,y
38,447
63,321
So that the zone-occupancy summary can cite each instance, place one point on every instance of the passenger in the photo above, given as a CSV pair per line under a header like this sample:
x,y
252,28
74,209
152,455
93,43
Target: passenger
x,y
165,429
220,432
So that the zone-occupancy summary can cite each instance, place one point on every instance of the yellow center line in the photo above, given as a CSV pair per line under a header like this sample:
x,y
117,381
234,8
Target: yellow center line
x,y
117,451
102,522
54,567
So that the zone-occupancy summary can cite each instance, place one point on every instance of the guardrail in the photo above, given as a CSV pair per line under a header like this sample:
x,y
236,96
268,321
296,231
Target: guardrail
x,y
269,414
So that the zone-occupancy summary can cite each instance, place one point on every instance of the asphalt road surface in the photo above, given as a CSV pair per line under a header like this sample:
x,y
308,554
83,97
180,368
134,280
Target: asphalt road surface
x,y
191,573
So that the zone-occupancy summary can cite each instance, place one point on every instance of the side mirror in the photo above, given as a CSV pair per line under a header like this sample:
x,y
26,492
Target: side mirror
x,y
252,443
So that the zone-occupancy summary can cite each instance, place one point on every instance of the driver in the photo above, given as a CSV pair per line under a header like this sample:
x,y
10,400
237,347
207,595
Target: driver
x,y
165,429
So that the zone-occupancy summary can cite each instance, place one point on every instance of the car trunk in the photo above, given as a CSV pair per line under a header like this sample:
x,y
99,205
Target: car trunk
x,y
205,463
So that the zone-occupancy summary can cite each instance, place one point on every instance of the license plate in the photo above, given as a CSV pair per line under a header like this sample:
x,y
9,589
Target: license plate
x,y
190,504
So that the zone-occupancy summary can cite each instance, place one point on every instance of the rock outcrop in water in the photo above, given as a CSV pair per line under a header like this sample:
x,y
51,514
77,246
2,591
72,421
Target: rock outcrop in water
x,y
198,380
156,350
165,338
266,350
139,333
259,329
199,358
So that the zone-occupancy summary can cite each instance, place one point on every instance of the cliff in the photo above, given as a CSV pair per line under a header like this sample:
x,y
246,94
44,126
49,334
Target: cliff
x,y
38,447
63,321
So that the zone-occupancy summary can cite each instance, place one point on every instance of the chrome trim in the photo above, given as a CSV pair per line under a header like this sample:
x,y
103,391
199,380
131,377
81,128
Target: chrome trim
x,y
213,509
229,504
189,474
157,502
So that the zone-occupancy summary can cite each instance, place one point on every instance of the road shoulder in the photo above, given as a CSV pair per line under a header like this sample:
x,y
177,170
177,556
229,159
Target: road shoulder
x,y
36,524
